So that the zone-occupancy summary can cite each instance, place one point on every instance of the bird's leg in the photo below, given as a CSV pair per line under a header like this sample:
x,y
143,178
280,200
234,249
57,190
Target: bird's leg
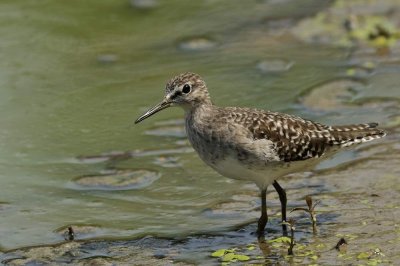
x,y
283,200
264,216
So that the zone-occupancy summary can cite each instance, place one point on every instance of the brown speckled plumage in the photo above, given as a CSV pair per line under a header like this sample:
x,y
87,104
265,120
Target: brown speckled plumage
x,y
295,138
256,145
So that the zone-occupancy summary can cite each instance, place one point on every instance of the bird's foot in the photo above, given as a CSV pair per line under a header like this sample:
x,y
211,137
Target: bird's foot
x,y
260,233
262,222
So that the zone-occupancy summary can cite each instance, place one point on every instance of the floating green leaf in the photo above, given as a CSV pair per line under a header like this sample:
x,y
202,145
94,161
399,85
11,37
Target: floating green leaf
x,y
218,253
242,257
229,257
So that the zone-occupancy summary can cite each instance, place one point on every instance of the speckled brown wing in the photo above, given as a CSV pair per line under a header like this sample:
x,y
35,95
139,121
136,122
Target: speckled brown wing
x,y
295,138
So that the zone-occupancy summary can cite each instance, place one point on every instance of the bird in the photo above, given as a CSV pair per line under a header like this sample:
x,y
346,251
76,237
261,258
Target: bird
x,y
252,144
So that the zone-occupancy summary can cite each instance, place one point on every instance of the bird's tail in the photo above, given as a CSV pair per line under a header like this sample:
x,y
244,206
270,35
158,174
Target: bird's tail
x,y
352,134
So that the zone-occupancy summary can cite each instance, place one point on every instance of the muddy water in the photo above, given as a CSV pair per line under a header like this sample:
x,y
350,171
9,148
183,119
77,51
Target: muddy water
x,y
74,77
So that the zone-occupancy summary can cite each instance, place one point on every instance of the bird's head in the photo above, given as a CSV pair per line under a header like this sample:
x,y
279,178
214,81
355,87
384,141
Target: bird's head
x,y
186,90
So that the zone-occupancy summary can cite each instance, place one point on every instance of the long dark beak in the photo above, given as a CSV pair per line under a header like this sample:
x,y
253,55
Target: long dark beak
x,y
162,105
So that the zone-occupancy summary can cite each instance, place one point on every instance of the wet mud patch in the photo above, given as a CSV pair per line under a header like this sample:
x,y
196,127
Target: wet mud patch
x,y
137,252
331,95
234,247
117,179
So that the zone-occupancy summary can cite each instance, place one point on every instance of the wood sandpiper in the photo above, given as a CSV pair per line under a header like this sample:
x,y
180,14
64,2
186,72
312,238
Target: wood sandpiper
x,y
256,145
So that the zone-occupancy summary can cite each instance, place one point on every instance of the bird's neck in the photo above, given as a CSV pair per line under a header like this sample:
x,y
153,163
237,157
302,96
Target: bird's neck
x,y
199,109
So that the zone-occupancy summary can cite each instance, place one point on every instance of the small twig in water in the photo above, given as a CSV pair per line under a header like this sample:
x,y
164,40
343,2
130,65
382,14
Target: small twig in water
x,y
291,223
310,210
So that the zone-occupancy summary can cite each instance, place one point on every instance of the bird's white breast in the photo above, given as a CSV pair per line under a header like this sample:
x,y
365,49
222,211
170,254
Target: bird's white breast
x,y
233,168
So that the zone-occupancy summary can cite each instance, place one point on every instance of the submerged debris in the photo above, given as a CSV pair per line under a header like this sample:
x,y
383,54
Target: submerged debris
x,y
69,235
341,245
118,179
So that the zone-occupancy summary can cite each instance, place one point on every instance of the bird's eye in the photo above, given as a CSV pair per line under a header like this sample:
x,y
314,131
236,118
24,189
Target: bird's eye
x,y
186,88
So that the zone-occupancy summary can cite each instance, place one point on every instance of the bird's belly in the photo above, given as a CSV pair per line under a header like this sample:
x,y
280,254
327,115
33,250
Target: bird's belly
x,y
262,174
223,158
233,168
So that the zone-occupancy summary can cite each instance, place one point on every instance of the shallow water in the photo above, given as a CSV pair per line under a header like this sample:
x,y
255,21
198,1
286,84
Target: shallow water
x,y
74,77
